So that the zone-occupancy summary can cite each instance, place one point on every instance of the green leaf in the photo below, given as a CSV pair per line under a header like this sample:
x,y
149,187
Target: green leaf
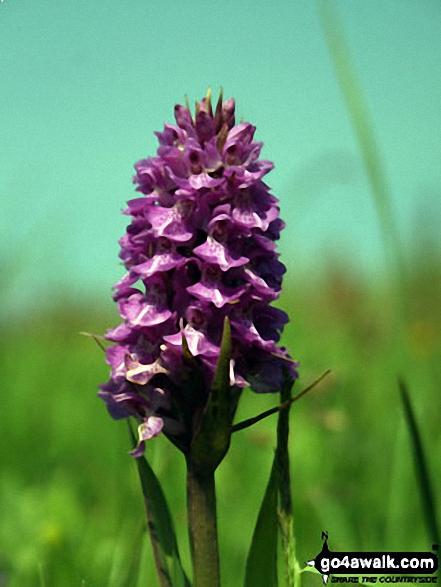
x,y
421,469
212,439
261,569
311,570
161,527
132,569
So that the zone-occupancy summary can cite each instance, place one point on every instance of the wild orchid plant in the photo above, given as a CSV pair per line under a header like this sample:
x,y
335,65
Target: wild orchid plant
x,y
198,327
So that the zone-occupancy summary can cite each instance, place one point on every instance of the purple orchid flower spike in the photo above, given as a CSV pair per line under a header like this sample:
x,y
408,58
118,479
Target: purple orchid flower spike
x,y
200,248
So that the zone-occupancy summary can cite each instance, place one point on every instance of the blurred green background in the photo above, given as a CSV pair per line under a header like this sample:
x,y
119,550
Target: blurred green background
x,y
83,87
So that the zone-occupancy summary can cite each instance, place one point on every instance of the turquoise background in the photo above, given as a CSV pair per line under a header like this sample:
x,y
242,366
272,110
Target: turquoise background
x,y
85,83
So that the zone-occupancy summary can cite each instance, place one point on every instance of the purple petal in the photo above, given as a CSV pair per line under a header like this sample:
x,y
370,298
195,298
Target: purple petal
x,y
146,310
204,126
183,117
228,108
212,156
150,174
242,132
141,374
171,222
251,212
203,180
217,253
244,329
197,341
139,450
172,135
164,258
121,332
210,288
150,428
260,286
115,357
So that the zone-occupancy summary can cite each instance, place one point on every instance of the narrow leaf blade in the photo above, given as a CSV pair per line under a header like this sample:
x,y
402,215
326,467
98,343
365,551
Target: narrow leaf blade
x,y
421,469
261,568
161,528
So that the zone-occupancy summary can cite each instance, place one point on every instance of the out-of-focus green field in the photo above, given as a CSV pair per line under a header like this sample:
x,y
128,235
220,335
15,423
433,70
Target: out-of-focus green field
x,y
70,504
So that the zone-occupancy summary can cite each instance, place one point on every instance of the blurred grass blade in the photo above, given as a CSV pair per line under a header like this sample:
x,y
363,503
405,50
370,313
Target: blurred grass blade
x,y
364,132
41,575
421,470
160,524
261,568
286,517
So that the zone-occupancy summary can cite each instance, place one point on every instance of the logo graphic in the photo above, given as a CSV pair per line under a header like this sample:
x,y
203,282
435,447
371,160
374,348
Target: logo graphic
x,y
375,563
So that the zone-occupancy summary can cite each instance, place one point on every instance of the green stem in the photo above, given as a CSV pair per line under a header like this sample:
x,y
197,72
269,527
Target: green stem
x,y
286,517
202,524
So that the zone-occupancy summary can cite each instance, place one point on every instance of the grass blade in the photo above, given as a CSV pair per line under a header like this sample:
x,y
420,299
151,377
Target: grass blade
x,y
261,568
364,132
161,528
41,575
421,469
